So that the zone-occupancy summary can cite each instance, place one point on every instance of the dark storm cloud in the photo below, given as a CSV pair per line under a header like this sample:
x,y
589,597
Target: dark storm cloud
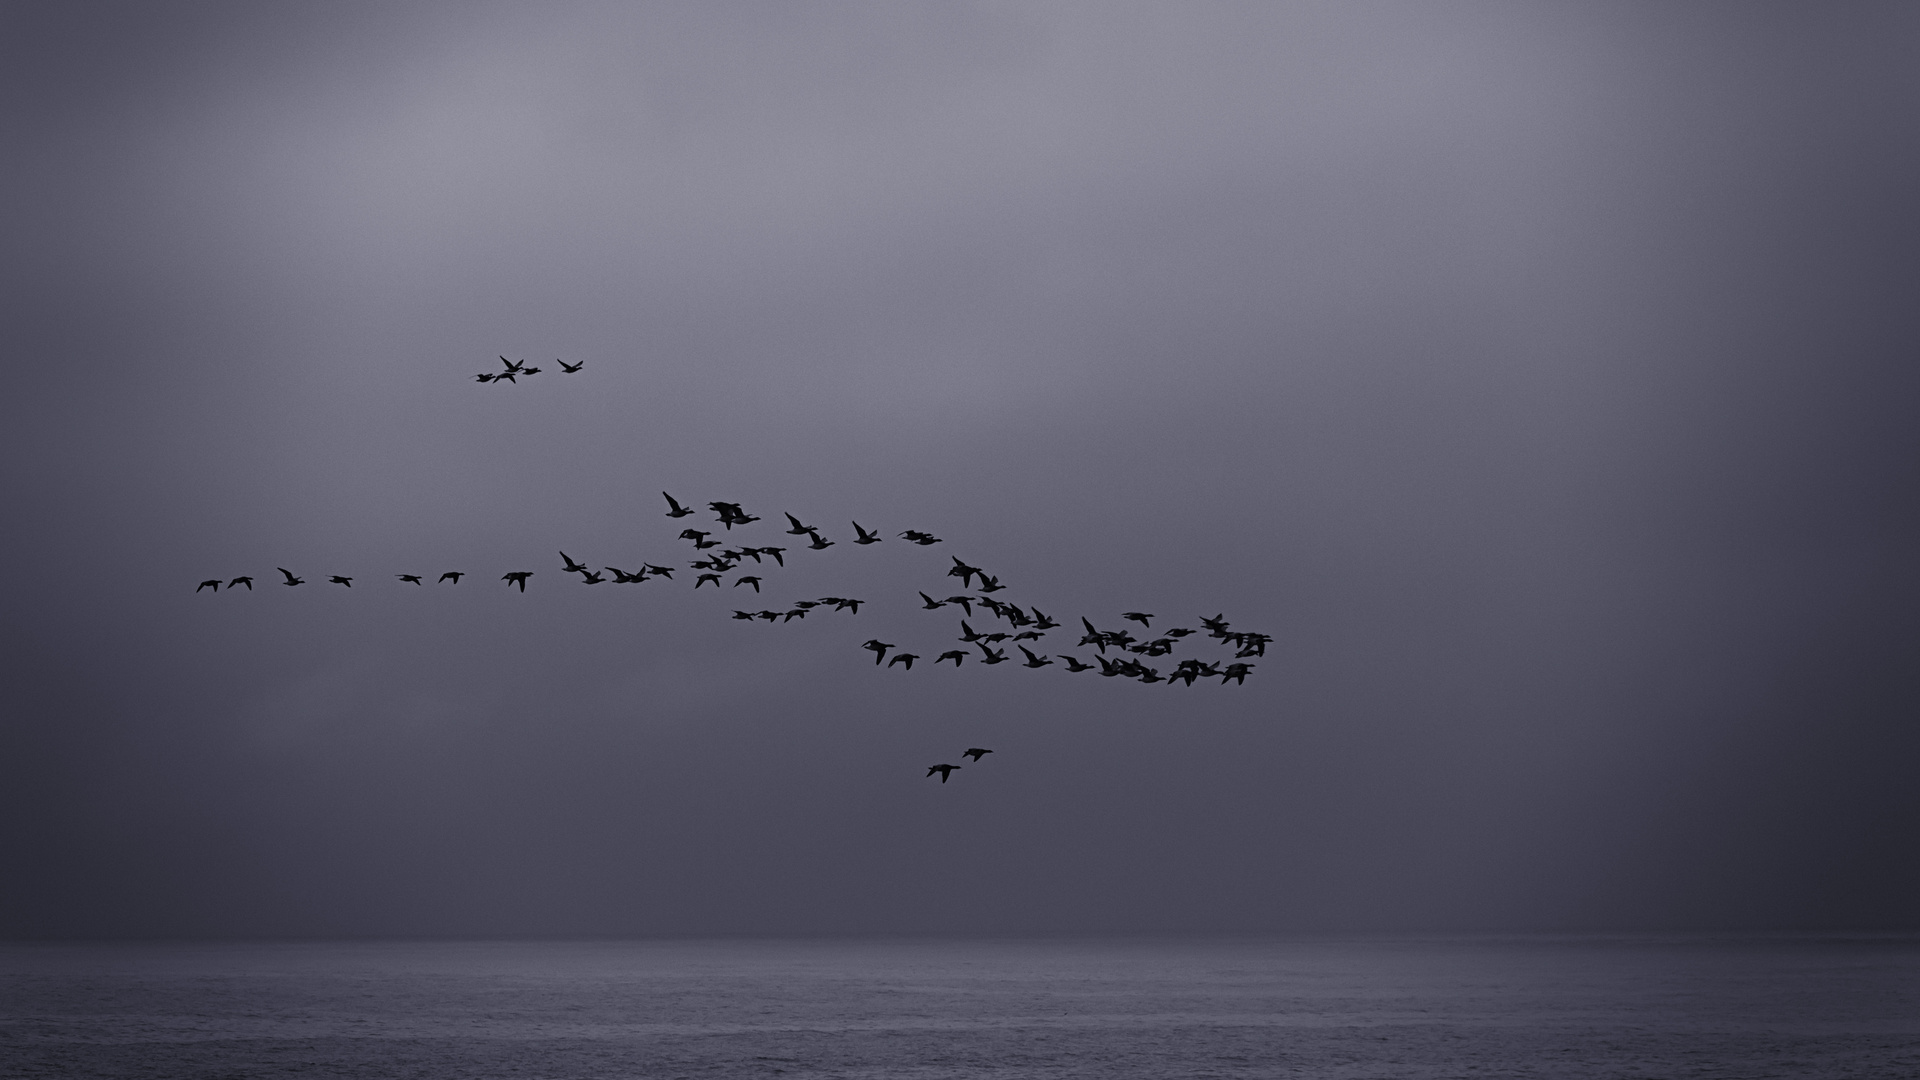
x,y
1541,379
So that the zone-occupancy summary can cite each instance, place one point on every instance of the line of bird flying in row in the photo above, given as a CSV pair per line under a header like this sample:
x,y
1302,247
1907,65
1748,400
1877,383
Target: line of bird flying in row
x,y
518,368
717,564
1027,627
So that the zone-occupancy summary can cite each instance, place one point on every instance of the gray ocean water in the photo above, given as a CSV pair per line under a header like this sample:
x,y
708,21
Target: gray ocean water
x,y
1334,1008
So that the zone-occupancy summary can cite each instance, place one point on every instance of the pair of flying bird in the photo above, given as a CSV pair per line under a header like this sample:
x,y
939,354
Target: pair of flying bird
x,y
336,579
730,513
973,752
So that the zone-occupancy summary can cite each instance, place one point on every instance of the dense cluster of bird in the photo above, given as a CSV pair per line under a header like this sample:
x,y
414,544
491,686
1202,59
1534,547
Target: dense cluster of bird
x,y
1129,652
516,368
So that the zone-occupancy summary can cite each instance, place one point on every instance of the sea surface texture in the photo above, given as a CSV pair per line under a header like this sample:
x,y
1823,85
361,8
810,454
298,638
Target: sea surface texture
x,y
1324,1008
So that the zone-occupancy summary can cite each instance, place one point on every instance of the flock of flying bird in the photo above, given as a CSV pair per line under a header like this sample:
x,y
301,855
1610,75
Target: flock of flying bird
x,y
1126,661
515,369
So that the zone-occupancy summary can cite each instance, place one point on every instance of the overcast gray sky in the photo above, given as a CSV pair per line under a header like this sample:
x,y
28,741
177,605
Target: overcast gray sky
x,y
1541,377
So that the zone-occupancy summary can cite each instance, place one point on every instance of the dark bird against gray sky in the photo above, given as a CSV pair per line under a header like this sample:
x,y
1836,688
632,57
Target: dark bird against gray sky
x,y
1527,390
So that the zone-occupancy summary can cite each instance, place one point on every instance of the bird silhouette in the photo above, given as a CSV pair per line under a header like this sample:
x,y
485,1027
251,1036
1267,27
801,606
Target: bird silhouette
x,y
1032,660
878,648
976,753
456,575
570,368
931,603
989,583
1093,637
1236,672
588,577
993,656
415,578
775,552
518,577
571,567
731,514
511,366
943,770
677,510
906,658
657,571
955,655
967,633
819,543
918,537
485,376
215,583
798,529
338,580
1042,621
747,579
963,572
506,376
704,578
291,580
965,602
1074,664
1140,617
623,577
241,580
747,615
865,536
530,371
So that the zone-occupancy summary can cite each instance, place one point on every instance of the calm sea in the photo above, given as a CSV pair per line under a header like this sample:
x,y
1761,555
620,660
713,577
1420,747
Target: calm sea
x,y
1325,1008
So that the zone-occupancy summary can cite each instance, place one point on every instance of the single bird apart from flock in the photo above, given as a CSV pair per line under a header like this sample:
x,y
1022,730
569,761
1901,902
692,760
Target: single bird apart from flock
x,y
570,368
338,580
677,510
943,769
291,580
976,753
241,580
456,575
518,577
